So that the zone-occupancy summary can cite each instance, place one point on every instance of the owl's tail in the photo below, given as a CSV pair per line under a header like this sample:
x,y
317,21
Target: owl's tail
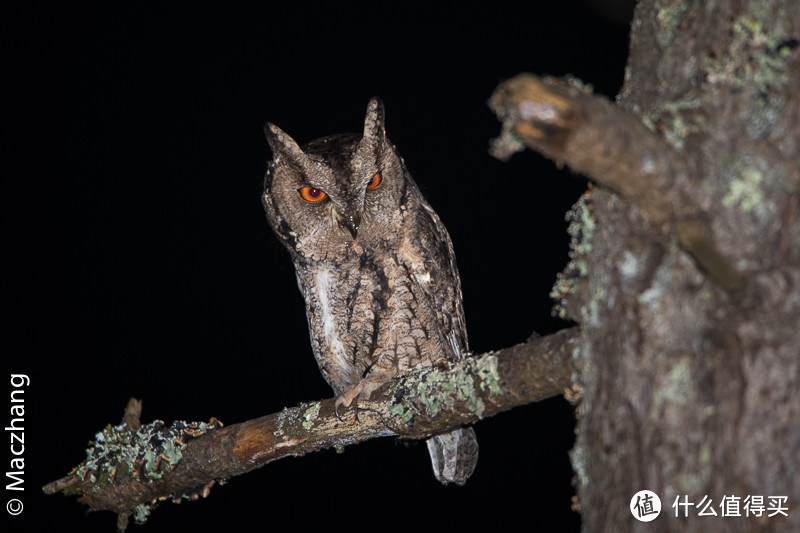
x,y
454,455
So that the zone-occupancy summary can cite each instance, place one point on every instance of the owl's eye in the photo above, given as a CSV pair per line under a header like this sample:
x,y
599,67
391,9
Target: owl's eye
x,y
312,194
375,181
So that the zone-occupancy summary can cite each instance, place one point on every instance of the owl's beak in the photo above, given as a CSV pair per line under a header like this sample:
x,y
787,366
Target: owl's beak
x,y
350,222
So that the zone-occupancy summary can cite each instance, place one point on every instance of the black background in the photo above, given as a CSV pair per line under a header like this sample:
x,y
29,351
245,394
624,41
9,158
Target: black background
x,y
138,261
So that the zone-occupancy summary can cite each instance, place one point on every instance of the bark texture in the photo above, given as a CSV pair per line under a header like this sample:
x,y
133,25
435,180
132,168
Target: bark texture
x,y
688,298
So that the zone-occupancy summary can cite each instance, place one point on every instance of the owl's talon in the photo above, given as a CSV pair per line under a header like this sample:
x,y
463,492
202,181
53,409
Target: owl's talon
x,y
336,410
348,397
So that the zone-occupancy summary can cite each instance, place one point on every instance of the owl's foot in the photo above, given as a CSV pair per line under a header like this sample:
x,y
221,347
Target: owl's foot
x,y
350,396
362,389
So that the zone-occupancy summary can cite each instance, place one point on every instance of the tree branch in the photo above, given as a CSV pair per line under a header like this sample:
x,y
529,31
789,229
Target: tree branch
x,y
593,136
565,122
131,467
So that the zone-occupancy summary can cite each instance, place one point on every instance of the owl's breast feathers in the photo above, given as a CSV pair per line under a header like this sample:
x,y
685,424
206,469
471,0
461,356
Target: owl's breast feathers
x,y
377,313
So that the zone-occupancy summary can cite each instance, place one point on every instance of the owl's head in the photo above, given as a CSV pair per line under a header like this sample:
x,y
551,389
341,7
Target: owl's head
x,y
323,198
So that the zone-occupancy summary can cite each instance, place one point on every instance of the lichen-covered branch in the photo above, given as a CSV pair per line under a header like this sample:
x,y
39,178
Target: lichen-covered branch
x,y
567,123
130,467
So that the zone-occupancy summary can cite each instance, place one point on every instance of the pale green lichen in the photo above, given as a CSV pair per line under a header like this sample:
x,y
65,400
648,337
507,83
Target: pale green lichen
x,y
172,453
752,57
437,389
489,377
505,145
681,125
746,190
580,463
677,388
466,391
283,416
581,229
629,265
141,513
146,453
149,466
669,18
310,414
592,313
582,225
693,482
399,409
757,59
430,388
678,119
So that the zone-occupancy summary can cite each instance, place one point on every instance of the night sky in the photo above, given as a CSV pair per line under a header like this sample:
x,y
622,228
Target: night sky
x,y
138,261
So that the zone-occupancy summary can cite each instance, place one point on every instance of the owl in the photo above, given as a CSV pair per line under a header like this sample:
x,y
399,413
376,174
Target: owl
x,y
375,265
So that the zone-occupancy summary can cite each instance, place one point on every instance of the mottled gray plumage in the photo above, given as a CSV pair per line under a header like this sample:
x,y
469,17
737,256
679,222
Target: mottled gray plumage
x,y
375,265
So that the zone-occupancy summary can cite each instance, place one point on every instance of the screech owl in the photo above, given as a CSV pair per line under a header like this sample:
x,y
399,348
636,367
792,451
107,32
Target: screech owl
x,y
375,265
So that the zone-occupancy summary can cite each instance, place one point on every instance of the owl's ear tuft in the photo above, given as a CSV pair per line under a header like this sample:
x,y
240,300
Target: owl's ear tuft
x,y
281,143
374,131
375,121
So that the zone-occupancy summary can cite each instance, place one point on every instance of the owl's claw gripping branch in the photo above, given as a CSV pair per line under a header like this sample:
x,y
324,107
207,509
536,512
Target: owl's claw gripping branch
x,y
361,390
347,398
336,411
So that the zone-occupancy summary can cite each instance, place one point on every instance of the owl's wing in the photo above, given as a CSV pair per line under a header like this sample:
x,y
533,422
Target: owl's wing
x,y
443,288
453,454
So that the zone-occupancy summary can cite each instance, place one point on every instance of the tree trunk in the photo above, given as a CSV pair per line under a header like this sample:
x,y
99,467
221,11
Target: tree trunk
x,y
691,371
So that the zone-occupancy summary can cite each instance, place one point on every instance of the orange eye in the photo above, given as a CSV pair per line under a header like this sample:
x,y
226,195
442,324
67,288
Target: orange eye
x,y
375,181
311,194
